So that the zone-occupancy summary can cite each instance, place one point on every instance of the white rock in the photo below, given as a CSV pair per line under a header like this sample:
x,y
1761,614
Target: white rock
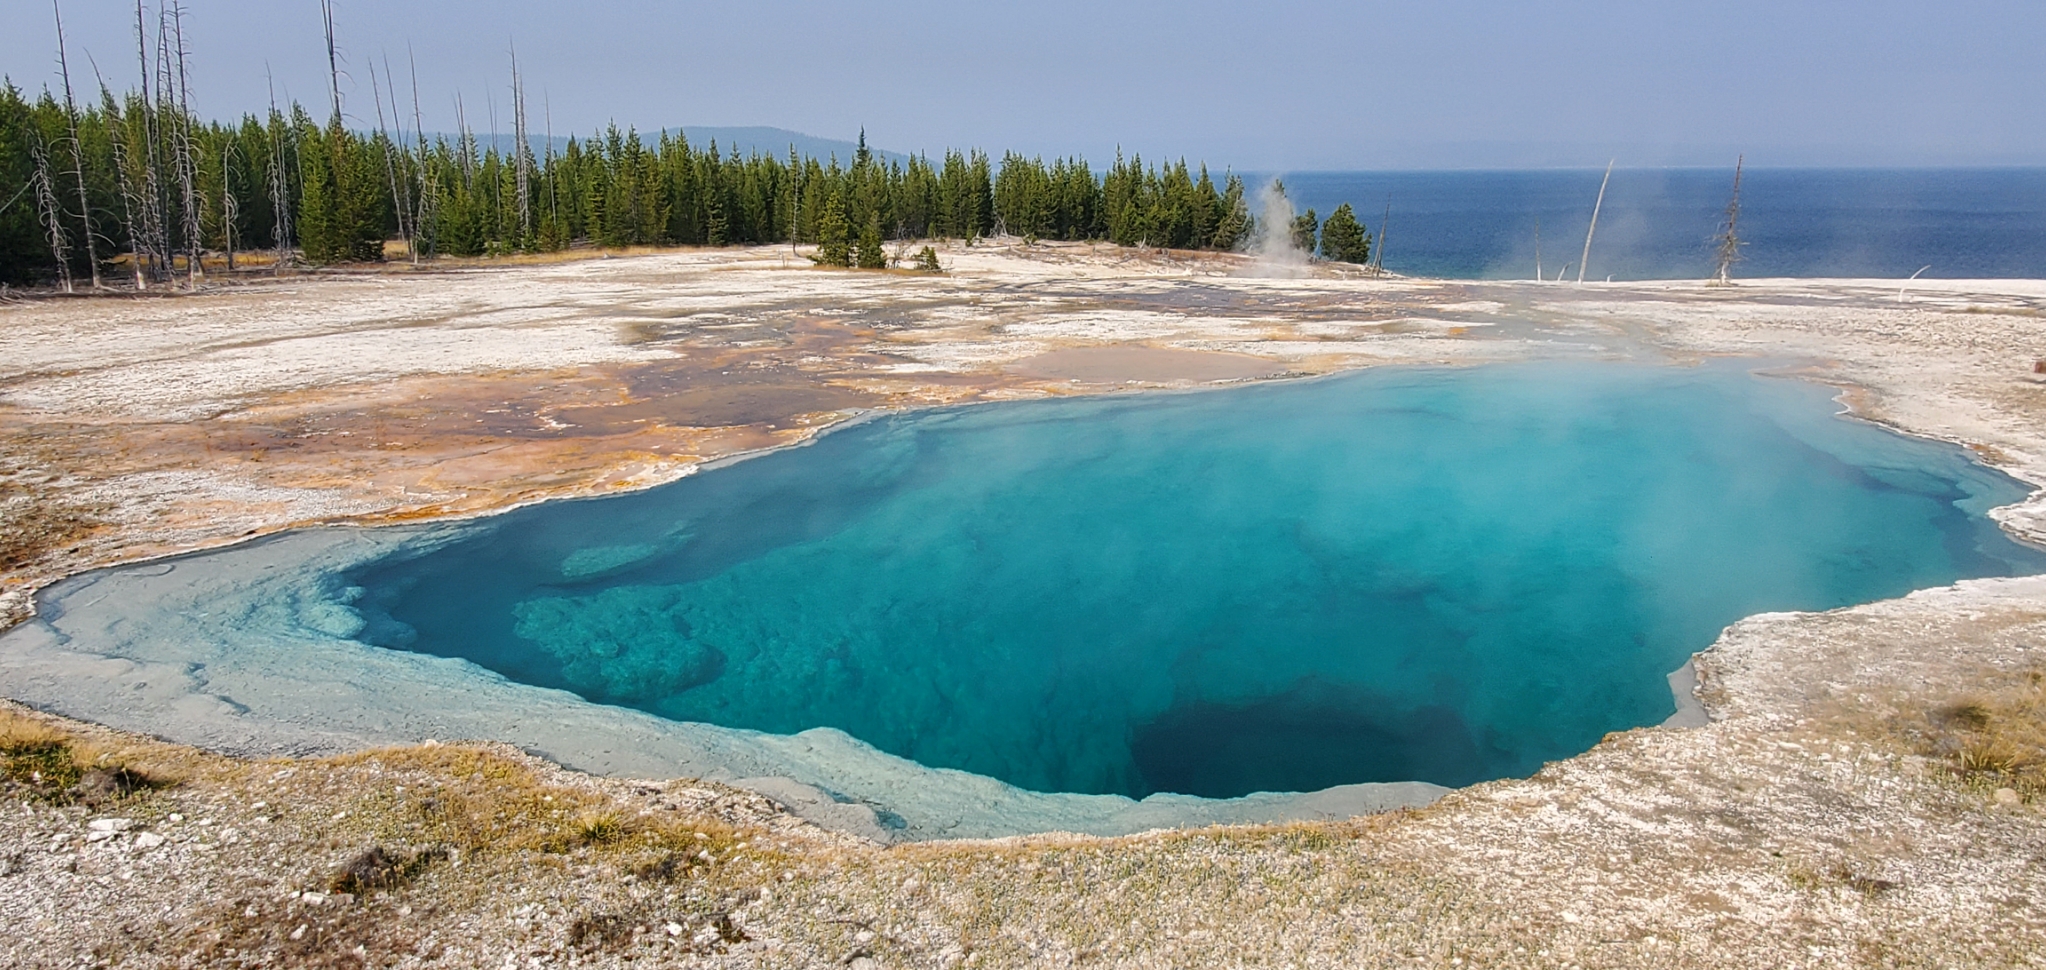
x,y
315,899
674,929
864,963
2006,796
111,824
864,936
149,840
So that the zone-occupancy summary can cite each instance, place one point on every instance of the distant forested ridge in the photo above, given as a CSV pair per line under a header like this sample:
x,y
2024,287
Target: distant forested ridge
x,y
137,185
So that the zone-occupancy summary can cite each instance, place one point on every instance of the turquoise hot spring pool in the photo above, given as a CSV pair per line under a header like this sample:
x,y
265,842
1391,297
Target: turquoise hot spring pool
x,y
1444,575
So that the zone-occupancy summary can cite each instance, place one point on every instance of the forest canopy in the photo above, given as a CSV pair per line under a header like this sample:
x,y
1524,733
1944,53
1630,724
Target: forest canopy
x,y
137,183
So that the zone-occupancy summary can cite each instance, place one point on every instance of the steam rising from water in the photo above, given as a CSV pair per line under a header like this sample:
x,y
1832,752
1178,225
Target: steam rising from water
x,y
1271,239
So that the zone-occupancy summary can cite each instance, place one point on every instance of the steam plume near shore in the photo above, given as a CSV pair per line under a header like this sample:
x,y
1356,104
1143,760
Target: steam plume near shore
x,y
1271,238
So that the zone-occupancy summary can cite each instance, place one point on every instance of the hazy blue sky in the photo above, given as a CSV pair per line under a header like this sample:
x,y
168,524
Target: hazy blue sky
x,y
1276,85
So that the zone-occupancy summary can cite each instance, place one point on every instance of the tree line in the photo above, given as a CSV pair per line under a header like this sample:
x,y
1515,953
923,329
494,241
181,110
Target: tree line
x,y
137,184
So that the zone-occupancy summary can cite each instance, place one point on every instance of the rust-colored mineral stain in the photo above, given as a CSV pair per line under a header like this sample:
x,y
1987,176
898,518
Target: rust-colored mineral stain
x,y
1120,363
699,397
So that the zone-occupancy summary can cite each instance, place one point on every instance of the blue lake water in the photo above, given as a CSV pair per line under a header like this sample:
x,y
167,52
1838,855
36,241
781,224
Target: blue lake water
x,y
1402,574
1662,223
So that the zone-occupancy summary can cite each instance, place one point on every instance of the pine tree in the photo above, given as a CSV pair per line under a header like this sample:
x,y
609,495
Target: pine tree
x,y
1304,227
341,215
831,234
716,228
1233,222
870,255
318,205
1343,237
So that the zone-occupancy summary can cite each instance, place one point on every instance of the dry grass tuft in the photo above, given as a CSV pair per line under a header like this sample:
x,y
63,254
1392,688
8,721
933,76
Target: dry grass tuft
x,y
602,828
377,868
48,765
1996,738
483,800
37,757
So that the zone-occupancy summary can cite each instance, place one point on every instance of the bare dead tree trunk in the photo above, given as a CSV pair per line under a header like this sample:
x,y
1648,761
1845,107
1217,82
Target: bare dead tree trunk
x,y
52,213
1378,251
496,229
1730,240
167,139
280,183
117,135
427,188
228,210
187,159
468,145
553,194
523,159
390,164
1586,258
77,150
333,59
401,180
155,204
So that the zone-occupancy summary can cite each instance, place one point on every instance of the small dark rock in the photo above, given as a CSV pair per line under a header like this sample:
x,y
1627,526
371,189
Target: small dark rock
x,y
376,868
600,930
729,931
102,785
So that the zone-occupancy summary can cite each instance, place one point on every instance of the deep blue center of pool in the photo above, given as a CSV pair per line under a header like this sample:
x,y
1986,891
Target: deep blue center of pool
x,y
1439,575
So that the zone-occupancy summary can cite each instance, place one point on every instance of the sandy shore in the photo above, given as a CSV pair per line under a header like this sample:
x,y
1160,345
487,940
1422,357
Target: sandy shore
x,y
1813,821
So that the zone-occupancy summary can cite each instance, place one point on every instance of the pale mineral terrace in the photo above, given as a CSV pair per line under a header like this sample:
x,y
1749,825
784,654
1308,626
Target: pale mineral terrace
x,y
1814,822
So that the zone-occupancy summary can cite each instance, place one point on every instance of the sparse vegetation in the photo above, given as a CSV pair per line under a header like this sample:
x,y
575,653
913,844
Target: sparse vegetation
x,y
1996,739
38,759
46,765
377,868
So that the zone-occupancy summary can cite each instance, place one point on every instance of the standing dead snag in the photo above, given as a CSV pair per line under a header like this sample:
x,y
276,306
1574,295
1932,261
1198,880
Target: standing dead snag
x,y
77,152
422,218
1378,251
280,185
390,149
522,156
1729,240
118,134
155,204
1585,260
53,214
229,211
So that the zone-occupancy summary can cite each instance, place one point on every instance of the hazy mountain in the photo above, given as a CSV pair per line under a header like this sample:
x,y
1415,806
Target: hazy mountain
x,y
747,139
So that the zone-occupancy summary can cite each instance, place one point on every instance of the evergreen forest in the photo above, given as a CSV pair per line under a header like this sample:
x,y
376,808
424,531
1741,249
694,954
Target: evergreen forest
x,y
103,186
